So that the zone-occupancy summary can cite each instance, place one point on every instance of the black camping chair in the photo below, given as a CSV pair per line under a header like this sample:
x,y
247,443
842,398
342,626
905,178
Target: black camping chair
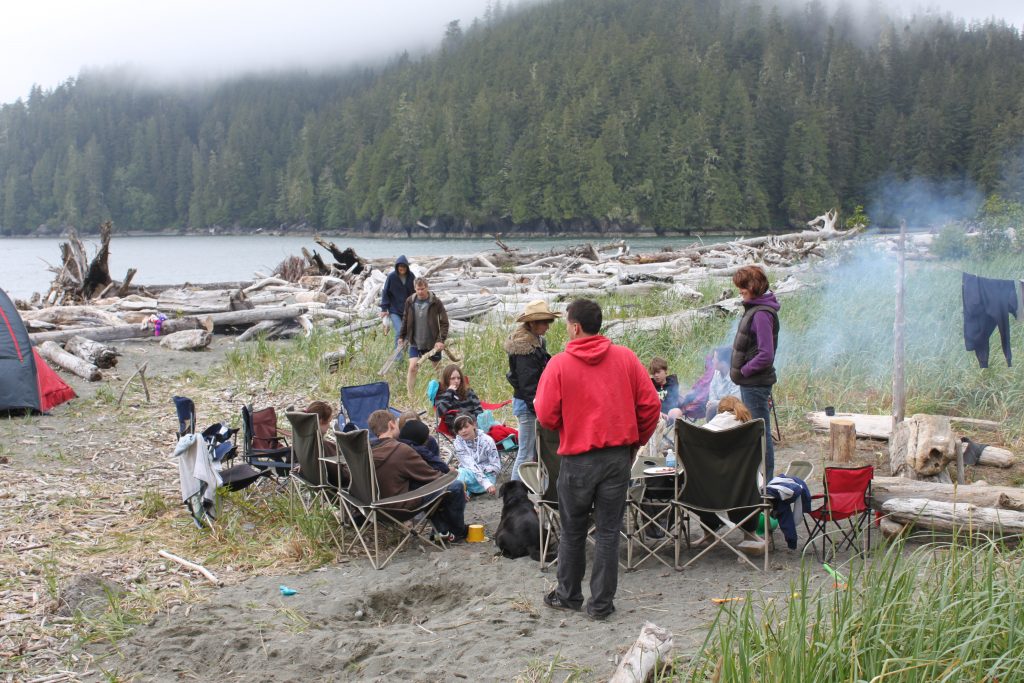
x,y
721,482
311,483
262,446
221,439
541,478
367,512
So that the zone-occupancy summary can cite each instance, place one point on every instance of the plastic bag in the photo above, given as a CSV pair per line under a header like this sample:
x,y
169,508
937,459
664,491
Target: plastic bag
x,y
484,421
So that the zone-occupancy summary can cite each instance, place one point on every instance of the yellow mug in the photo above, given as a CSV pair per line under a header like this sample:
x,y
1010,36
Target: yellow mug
x,y
475,533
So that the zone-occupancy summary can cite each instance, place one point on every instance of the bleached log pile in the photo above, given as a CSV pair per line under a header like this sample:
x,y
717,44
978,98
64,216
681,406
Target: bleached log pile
x,y
346,296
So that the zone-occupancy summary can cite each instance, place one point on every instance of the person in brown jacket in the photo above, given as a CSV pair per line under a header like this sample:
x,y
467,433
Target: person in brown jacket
x,y
424,328
401,469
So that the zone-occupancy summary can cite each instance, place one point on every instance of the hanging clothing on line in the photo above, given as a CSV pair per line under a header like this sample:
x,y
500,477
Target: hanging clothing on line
x,y
988,304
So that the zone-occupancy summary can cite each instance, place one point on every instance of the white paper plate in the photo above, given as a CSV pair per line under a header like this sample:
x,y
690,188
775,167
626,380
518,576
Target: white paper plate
x,y
660,470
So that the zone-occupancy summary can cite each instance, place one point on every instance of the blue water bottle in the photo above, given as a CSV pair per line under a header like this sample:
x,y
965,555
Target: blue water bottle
x,y
670,458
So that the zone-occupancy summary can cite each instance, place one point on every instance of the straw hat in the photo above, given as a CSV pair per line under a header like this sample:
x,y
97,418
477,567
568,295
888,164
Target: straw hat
x,y
537,310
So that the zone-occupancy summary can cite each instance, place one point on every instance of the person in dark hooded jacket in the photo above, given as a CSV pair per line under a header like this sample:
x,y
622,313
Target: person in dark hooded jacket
x,y
753,351
397,288
415,434
667,387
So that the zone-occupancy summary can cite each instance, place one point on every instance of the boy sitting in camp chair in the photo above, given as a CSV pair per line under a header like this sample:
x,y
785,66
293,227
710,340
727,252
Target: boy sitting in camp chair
x,y
401,469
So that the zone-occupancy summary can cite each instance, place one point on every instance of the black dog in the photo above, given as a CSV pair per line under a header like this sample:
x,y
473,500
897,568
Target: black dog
x,y
518,532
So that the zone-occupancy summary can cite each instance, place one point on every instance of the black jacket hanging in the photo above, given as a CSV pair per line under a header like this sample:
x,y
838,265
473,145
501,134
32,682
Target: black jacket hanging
x,y
987,305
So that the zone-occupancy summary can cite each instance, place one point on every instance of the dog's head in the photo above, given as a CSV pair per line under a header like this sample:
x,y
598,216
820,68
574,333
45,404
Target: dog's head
x,y
513,492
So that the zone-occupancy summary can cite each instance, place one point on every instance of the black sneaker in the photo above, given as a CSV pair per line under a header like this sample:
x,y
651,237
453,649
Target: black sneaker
x,y
554,602
595,616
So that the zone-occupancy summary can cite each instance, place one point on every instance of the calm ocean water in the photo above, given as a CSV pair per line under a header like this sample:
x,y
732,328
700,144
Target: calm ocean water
x,y
211,258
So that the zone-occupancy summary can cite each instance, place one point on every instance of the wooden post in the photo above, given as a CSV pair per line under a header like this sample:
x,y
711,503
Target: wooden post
x,y
842,440
899,397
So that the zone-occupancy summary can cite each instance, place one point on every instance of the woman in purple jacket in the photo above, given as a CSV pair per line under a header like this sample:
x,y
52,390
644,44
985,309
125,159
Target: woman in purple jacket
x,y
753,351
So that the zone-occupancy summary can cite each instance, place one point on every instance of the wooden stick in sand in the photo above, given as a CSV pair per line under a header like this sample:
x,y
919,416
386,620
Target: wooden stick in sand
x,y
191,566
141,372
393,358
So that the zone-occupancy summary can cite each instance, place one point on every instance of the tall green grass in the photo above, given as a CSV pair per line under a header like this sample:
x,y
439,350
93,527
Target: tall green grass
x,y
944,612
836,343
835,347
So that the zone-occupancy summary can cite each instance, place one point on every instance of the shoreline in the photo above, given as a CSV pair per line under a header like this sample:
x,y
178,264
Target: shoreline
x,y
418,235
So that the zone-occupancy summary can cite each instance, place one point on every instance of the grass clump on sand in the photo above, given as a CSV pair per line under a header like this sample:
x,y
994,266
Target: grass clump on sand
x,y
943,612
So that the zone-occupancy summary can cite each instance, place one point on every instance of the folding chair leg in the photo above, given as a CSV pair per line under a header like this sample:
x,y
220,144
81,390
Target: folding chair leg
x,y
547,532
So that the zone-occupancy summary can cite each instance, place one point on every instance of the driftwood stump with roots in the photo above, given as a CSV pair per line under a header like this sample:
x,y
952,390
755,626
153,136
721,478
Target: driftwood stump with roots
x,y
921,448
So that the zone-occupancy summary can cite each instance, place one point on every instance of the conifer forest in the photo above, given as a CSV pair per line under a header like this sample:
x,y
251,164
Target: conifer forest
x,y
567,116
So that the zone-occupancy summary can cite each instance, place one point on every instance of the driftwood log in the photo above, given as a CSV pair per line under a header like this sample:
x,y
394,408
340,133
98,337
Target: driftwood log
x,y
52,352
653,645
100,355
115,332
949,517
187,340
993,456
922,447
880,426
984,495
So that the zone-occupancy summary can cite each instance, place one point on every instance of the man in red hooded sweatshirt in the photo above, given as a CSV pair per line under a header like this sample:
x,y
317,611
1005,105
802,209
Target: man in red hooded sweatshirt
x,y
599,397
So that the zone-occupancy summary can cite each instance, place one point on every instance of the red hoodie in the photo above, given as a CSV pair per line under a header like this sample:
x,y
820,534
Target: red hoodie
x,y
597,395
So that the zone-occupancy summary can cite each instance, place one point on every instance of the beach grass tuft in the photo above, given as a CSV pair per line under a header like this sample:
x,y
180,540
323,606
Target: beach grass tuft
x,y
949,611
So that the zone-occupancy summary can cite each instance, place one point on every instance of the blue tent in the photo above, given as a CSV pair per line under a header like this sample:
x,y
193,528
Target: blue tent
x,y
19,387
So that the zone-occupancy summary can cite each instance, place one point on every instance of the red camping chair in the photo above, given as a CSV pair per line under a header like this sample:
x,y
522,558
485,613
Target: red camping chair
x,y
847,497
505,438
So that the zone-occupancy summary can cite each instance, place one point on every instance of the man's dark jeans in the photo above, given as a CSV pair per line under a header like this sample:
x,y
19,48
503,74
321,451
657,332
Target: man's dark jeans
x,y
596,482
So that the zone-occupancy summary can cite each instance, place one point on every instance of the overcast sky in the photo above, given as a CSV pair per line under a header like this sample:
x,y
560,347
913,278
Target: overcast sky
x,y
49,41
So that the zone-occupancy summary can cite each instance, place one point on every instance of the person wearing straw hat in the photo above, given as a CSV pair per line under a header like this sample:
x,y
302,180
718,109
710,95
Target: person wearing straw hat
x,y
527,358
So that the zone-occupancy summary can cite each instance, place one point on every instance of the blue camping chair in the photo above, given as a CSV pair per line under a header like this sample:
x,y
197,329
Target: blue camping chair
x,y
220,437
358,401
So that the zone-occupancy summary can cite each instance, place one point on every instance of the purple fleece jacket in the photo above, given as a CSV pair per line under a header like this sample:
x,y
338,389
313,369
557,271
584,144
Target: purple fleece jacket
x,y
761,327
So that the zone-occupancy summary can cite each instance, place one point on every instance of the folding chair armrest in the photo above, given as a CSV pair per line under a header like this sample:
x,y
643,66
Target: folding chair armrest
x,y
494,406
439,484
269,452
351,500
529,473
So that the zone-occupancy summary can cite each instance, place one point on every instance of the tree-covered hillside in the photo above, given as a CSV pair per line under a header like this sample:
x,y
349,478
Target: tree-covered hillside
x,y
570,115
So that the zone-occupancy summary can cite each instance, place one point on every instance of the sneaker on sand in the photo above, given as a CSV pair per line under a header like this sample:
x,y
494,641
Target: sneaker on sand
x,y
594,616
554,602
447,537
